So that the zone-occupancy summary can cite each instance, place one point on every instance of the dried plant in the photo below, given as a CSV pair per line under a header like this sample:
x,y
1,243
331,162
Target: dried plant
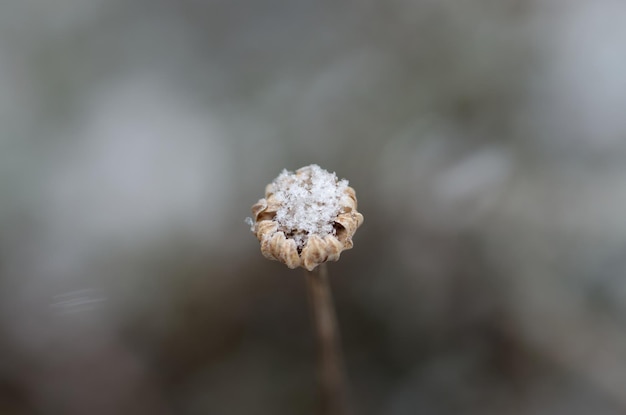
x,y
306,219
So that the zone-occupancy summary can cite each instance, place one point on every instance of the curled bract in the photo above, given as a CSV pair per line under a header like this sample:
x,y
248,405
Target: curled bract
x,y
306,218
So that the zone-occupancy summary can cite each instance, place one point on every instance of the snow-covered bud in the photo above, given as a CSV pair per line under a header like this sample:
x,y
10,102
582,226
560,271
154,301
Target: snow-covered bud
x,y
306,218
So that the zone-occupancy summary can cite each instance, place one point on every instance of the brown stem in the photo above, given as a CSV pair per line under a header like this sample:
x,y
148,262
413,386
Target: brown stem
x,y
332,381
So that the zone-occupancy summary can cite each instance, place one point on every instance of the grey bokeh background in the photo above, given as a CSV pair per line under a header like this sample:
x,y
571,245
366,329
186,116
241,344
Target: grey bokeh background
x,y
486,141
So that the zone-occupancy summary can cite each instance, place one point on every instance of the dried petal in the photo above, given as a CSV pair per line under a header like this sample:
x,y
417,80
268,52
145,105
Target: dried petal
x,y
333,248
314,252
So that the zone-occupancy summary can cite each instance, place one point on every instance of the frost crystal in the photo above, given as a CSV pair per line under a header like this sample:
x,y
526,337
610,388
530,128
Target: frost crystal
x,y
309,201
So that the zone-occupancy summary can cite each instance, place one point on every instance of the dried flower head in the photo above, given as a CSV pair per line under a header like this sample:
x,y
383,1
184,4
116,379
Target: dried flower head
x,y
306,218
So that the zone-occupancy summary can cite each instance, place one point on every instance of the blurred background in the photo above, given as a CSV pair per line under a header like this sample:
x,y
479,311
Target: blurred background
x,y
486,141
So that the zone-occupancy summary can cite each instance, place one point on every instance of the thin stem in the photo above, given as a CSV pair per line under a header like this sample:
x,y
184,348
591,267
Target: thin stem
x,y
332,381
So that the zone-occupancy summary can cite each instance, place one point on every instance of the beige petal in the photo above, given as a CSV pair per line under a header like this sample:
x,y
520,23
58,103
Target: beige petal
x,y
348,221
268,243
333,248
314,252
347,243
350,198
265,228
278,242
359,219
272,204
258,208
289,254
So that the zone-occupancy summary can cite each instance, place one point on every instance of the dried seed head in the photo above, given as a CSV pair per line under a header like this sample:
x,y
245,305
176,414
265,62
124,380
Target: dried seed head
x,y
306,218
